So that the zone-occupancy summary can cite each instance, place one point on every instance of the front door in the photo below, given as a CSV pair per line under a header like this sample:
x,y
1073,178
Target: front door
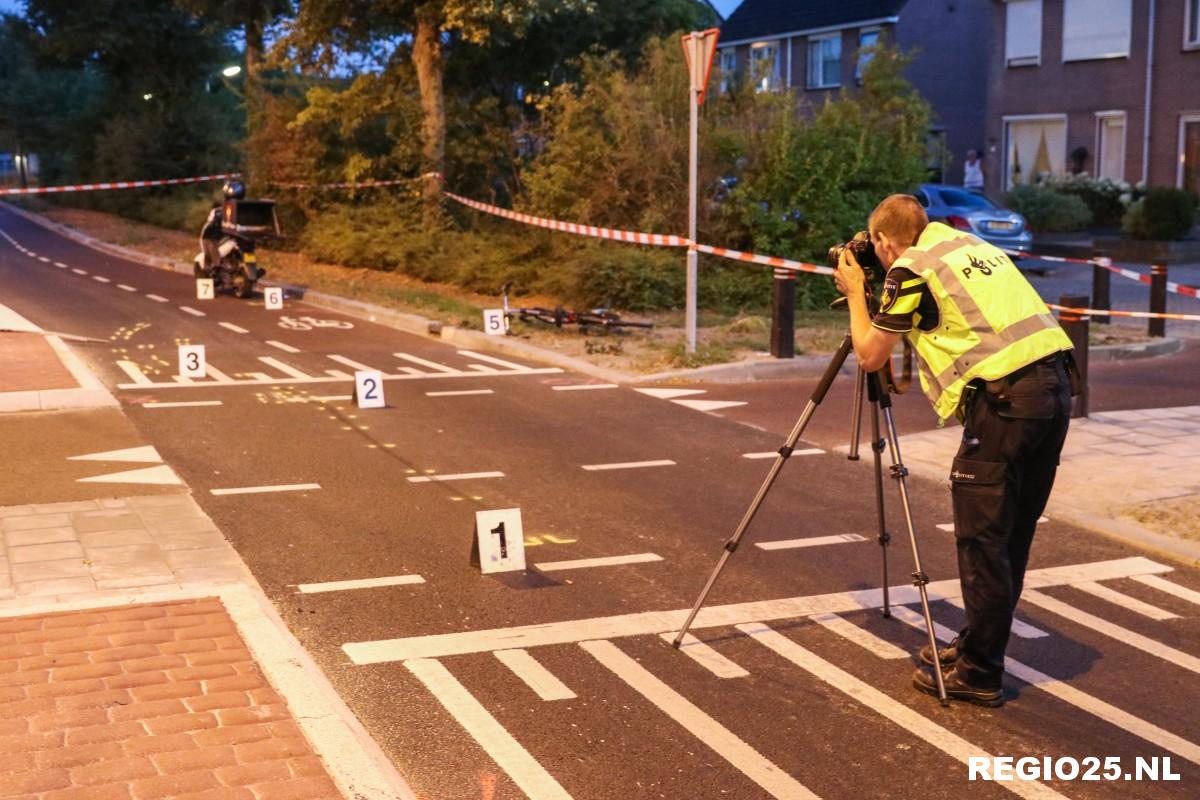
x,y
1189,151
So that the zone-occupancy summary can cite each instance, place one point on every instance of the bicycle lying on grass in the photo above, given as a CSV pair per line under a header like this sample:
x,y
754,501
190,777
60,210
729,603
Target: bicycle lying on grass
x,y
596,319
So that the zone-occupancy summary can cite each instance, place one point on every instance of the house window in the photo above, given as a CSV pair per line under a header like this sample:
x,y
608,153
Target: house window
x,y
1110,145
728,67
1191,31
866,38
1188,176
1023,33
765,66
825,61
1035,147
1096,29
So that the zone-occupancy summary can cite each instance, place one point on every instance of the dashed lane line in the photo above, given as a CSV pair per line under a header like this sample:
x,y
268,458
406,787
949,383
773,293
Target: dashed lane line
x,y
60,265
462,476
664,462
287,348
460,393
229,326
811,451
43,259
78,271
124,287
580,387
655,622
712,733
101,279
157,298
543,682
604,561
707,657
194,312
498,743
949,743
287,487
362,583
811,541
1125,601
184,404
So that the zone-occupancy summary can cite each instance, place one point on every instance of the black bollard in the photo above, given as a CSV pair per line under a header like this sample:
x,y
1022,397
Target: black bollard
x,y
1076,327
783,314
1158,299
1101,286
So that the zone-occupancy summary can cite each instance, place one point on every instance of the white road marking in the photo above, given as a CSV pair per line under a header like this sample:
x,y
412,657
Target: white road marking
x,y
706,656
126,287
287,348
257,377
101,279
811,451
811,541
430,364
1122,720
716,736
43,259
350,363
1125,601
908,719
363,583
948,527
536,677
78,271
412,371
652,623
161,475
482,368
492,360
261,378
605,561
229,326
156,298
462,476
216,374
340,374
668,394
192,311
1123,635
629,465
332,398
282,367
459,393
287,487
860,636
579,387
1018,627
135,373
708,405
1182,592
498,743
60,265
184,404
143,455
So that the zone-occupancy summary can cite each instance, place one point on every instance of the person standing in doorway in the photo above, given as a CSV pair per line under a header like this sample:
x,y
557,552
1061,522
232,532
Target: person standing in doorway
x,y
973,172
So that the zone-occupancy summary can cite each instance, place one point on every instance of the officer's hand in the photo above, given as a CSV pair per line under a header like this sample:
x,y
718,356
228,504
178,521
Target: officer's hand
x,y
849,278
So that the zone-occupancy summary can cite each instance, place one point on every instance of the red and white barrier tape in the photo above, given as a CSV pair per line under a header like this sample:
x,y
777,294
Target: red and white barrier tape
x,y
1104,312
360,185
90,187
1106,263
771,261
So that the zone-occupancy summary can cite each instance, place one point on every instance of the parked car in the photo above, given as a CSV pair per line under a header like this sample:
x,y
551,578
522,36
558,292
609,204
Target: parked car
x,y
972,212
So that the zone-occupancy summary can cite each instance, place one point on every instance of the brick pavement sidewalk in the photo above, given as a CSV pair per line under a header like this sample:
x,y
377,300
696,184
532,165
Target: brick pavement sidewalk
x,y
141,702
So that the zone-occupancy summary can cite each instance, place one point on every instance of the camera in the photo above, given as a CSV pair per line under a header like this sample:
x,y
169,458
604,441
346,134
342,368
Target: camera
x,y
864,252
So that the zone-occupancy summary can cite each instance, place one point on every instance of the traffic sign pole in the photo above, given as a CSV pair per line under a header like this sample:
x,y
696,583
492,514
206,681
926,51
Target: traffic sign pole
x,y
698,51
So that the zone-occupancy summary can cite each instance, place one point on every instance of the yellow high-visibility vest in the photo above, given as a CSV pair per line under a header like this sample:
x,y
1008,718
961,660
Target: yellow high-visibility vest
x,y
991,321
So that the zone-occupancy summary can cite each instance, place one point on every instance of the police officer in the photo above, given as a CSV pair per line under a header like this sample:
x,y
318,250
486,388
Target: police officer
x,y
990,352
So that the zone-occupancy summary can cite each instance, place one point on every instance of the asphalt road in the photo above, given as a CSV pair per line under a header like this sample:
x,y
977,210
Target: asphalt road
x,y
555,682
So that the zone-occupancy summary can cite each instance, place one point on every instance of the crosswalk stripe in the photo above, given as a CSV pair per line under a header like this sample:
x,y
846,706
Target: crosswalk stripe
x,y
424,363
481,368
216,374
810,451
337,373
287,348
664,462
282,367
1123,635
134,372
706,656
412,371
949,743
810,541
1019,627
1182,592
536,677
712,733
351,363
860,636
1125,601
530,776
580,387
491,360
1068,694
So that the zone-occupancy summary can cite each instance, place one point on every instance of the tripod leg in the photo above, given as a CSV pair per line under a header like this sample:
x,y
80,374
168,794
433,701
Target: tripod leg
x,y
860,381
885,538
920,579
831,371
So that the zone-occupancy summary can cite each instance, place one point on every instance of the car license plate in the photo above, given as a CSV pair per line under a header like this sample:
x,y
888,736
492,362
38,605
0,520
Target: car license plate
x,y
1001,226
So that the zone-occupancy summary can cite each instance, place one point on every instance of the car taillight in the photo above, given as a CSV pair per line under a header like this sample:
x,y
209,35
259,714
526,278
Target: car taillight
x,y
955,221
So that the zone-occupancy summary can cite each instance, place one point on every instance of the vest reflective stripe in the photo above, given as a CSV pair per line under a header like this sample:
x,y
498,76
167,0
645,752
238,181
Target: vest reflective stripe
x,y
968,343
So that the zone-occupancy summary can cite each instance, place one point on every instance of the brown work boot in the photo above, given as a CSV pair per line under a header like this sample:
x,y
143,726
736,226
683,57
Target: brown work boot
x,y
946,655
957,688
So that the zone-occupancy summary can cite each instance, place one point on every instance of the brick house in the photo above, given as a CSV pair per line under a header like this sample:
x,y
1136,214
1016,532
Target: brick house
x,y
811,47
1071,89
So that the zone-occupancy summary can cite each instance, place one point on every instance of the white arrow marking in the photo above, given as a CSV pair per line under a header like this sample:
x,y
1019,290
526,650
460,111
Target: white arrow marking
x,y
668,394
161,474
709,405
144,455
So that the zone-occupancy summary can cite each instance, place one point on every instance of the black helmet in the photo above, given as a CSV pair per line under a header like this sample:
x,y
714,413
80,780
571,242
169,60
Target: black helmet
x,y
234,189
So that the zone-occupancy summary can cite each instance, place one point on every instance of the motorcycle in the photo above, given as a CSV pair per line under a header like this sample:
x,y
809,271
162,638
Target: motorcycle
x,y
228,241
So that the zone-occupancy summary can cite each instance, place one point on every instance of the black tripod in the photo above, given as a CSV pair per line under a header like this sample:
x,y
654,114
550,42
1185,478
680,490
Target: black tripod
x,y
880,402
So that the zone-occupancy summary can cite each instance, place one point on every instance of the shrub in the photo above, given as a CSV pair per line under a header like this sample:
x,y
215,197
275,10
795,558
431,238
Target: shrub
x,y
1163,214
1047,210
1107,199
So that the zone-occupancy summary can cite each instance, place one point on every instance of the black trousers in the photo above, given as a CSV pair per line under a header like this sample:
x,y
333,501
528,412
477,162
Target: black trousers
x,y
1013,434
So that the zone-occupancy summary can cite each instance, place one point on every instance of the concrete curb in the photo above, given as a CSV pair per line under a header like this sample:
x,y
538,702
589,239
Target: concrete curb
x,y
90,394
